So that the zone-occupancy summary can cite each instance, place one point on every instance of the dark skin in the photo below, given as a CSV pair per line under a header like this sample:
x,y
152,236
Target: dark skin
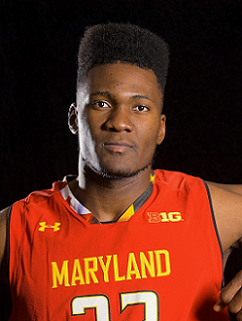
x,y
119,121
122,123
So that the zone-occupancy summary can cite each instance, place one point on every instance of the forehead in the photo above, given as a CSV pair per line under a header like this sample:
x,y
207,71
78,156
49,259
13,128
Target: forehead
x,y
120,78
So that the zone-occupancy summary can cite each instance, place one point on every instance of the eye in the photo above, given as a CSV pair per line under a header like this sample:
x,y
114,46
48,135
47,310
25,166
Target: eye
x,y
141,108
100,104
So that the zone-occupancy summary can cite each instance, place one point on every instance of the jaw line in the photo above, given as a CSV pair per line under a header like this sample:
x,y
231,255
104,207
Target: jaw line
x,y
111,176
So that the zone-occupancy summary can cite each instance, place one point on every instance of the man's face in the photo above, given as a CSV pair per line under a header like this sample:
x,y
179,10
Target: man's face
x,y
119,119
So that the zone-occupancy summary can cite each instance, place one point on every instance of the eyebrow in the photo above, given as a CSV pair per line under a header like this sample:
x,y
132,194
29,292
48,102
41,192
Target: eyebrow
x,y
141,97
108,94
103,93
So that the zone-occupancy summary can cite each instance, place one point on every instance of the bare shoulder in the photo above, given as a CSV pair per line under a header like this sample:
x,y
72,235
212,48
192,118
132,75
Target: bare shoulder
x,y
235,188
3,231
227,205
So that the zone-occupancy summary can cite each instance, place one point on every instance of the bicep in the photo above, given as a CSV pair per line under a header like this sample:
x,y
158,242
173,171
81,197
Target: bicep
x,y
234,188
227,205
3,233
5,294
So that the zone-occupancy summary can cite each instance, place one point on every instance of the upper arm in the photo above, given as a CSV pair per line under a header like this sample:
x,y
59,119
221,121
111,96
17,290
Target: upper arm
x,y
5,294
3,233
234,188
227,205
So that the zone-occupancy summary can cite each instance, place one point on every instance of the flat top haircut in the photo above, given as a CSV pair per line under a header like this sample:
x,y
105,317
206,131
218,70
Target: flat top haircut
x,y
109,43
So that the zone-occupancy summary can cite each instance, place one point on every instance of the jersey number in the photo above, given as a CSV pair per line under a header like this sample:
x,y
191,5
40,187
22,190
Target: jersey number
x,y
100,303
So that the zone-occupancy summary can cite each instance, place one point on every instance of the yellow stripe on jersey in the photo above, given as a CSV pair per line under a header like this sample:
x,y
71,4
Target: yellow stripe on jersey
x,y
127,214
152,177
133,208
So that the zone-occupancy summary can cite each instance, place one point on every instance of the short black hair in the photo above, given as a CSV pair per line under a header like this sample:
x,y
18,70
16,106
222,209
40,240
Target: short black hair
x,y
109,43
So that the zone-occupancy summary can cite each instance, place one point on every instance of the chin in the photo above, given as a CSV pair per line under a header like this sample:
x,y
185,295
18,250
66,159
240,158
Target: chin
x,y
117,174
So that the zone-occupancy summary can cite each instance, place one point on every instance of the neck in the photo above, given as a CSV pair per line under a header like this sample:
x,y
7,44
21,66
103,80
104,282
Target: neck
x,y
108,198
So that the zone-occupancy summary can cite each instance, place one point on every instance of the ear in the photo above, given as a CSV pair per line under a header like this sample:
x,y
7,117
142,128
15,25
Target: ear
x,y
72,119
162,130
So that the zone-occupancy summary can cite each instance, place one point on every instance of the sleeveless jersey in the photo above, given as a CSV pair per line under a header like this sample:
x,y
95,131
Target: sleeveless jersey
x,y
163,263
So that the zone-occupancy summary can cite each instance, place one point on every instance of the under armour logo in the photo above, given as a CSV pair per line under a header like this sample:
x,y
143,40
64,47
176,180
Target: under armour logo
x,y
44,226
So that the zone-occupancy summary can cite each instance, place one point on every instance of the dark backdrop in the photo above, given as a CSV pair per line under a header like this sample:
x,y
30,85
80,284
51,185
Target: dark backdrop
x,y
38,47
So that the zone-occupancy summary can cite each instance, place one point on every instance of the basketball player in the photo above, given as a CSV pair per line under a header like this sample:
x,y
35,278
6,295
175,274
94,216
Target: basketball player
x,y
121,241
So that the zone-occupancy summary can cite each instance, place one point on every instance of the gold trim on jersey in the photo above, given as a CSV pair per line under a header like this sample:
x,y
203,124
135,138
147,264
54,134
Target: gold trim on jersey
x,y
127,214
139,201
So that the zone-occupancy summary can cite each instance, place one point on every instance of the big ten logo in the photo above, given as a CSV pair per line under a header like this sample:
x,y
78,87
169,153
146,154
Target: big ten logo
x,y
155,217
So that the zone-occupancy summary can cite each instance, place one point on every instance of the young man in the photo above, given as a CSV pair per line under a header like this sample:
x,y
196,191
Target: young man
x,y
120,241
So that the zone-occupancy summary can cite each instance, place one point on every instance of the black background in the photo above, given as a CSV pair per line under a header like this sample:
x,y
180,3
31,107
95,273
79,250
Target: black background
x,y
38,47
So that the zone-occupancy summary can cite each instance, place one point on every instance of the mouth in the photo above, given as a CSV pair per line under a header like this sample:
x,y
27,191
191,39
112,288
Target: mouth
x,y
117,147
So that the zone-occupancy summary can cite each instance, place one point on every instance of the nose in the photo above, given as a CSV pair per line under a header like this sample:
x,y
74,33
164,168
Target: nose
x,y
119,120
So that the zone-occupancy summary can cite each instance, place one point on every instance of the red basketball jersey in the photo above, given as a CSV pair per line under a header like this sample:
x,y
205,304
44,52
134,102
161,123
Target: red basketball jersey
x,y
163,263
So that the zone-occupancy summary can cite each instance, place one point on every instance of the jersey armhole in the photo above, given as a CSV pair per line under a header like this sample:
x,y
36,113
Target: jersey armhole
x,y
6,257
5,293
8,241
215,224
